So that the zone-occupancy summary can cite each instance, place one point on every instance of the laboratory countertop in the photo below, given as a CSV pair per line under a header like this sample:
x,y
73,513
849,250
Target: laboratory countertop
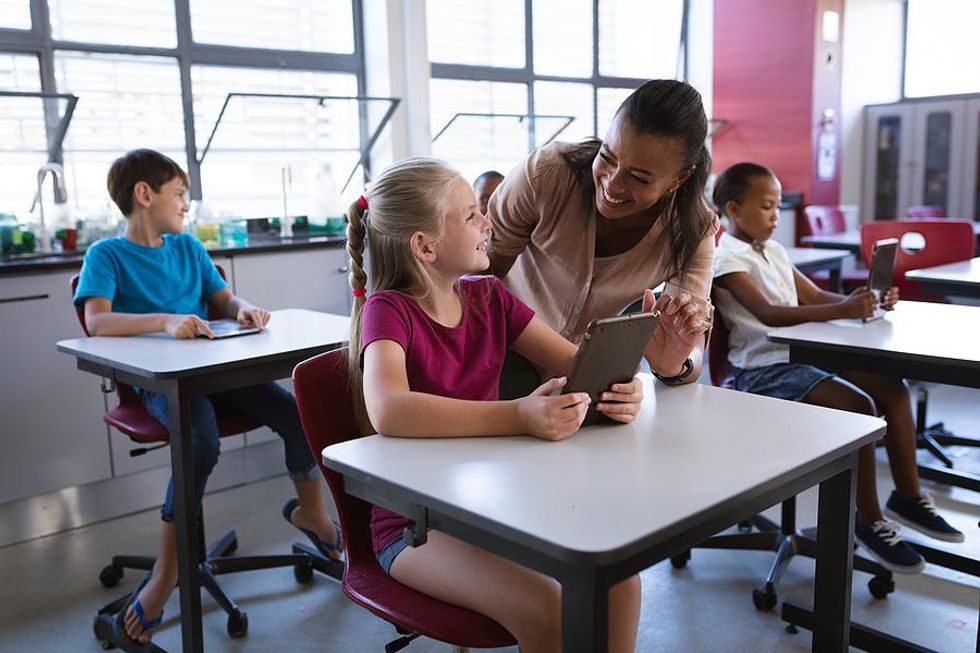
x,y
40,262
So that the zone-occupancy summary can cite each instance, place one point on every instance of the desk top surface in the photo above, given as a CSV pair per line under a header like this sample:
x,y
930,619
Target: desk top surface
x,y
810,256
852,237
961,272
158,354
944,333
690,452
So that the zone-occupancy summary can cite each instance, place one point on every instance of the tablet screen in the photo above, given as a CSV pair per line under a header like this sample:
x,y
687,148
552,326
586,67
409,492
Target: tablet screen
x,y
882,264
230,329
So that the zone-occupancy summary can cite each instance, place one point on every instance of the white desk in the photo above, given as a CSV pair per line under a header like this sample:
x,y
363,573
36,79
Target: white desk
x,y
613,500
918,340
851,240
960,279
808,260
182,368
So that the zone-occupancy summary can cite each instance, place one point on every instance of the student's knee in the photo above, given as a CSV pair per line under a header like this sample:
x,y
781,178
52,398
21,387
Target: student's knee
x,y
537,618
626,594
205,437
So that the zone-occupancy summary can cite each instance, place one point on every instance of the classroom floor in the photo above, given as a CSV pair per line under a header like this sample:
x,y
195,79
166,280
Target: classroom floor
x,y
50,594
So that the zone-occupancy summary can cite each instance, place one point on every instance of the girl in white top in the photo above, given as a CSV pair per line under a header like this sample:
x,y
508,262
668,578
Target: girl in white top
x,y
756,288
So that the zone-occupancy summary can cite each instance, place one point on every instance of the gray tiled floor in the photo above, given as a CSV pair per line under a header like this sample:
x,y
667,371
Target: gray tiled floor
x,y
49,592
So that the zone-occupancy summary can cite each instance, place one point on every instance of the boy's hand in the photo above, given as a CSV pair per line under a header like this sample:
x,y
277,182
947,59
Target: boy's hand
x,y
253,316
552,418
187,326
859,304
889,298
622,401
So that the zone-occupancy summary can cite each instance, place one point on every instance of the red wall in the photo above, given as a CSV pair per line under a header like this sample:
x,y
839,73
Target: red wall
x,y
772,83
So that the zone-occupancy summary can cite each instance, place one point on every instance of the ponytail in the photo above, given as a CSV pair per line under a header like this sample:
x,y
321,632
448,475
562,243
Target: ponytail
x,y
356,235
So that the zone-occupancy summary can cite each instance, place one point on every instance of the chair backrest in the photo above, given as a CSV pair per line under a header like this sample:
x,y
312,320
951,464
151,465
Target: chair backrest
x,y
946,241
721,370
326,410
925,211
824,220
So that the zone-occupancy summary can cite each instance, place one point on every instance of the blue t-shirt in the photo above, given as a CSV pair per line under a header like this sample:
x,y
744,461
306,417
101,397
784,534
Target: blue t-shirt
x,y
175,278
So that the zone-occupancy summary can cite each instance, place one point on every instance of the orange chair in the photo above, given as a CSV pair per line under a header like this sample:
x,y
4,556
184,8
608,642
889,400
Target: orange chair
x,y
825,220
785,539
946,241
131,418
326,410
925,211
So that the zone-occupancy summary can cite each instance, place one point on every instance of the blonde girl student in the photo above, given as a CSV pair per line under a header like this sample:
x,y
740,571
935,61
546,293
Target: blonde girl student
x,y
427,346
757,288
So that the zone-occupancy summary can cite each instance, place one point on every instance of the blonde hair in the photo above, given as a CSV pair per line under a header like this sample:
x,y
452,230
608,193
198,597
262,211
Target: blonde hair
x,y
410,196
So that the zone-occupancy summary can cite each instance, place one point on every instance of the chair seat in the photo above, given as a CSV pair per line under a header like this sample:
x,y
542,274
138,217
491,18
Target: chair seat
x,y
419,612
134,420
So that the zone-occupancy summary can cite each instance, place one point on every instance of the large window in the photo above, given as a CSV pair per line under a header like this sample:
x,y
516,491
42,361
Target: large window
x,y
481,65
153,74
942,52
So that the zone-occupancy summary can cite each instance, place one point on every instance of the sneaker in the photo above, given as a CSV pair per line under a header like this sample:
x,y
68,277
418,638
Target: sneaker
x,y
883,542
921,514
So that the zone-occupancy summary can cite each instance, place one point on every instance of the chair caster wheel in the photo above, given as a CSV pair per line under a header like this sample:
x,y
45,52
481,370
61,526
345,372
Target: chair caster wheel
x,y
232,547
764,600
680,561
110,576
237,623
745,527
880,587
792,629
103,633
303,572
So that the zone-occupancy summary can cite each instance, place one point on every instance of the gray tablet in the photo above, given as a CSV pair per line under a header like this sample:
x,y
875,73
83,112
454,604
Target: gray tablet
x,y
609,353
230,329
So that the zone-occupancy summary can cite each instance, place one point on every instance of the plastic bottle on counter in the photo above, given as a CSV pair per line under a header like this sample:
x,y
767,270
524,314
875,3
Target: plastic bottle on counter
x,y
11,238
202,222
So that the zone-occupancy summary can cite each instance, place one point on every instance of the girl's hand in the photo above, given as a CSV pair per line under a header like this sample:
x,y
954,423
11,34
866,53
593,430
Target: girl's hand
x,y
552,418
889,298
253,316
622,401
185,327
859,304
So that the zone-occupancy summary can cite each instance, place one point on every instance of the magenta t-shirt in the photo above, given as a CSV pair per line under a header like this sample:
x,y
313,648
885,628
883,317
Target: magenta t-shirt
x,y
462,362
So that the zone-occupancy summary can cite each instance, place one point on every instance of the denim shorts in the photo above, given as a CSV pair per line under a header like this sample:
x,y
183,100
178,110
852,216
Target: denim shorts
x,y
791,381
386,556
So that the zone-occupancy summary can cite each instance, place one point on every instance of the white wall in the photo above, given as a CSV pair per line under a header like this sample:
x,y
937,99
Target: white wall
x,y
871,74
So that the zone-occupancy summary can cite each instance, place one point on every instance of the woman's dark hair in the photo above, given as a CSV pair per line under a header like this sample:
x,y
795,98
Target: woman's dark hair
x,y
730,186
670,109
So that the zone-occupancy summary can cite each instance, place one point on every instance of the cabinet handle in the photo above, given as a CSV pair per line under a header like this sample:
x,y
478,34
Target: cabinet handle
x,y
344,269
23,298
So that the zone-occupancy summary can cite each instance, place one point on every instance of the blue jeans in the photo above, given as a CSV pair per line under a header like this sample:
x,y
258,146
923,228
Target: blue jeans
x,y
267,403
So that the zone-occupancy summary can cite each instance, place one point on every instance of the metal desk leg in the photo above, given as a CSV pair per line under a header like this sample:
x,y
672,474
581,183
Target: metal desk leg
x,y
189,550
835,537
584,612
834,281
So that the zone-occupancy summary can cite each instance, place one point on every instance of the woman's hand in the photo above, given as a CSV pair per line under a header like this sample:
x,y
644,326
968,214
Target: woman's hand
x,y
889,298
683,322
622,401
859,304
253,316
185,327
552,418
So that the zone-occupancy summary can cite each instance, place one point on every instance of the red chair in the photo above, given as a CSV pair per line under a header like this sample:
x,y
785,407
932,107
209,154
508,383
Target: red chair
x,y
785,539
946,241
323,394
925,211
825,220
131,418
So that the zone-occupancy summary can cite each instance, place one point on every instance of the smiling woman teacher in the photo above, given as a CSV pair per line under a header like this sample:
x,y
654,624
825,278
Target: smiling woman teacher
x,y
580,231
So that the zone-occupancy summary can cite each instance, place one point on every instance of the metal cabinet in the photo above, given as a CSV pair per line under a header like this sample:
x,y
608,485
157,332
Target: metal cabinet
x,y
51,426
915,153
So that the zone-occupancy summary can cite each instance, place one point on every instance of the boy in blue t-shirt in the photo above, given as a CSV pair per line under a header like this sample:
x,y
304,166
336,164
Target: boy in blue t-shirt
x,y
157,278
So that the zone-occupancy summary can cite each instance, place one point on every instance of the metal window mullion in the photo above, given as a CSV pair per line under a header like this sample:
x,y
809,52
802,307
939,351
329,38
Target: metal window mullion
x,y
595,66
182,14
529,70
685,27
905,51
41,29
357,9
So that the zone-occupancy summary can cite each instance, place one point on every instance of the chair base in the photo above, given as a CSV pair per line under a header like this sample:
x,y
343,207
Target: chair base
x,y
786,541
934,437
218,559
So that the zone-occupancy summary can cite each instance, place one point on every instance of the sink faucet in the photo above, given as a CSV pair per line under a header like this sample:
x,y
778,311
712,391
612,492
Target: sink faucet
x,y
58,174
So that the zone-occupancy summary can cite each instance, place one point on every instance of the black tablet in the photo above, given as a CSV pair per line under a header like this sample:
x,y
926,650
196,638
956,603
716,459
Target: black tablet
x,y
609,353
882,268
230,329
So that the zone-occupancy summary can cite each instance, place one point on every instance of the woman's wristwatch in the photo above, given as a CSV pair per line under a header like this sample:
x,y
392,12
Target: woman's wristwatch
x,y
678,378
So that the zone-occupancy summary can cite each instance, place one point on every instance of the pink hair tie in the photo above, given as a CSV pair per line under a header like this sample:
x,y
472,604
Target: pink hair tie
x,y
361,202
360,292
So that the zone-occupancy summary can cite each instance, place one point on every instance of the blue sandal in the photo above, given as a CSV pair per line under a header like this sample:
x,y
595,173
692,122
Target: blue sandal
x,y
332,551
119,623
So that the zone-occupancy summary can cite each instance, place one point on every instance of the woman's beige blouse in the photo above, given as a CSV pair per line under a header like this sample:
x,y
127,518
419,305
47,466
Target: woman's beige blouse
x,y
541,216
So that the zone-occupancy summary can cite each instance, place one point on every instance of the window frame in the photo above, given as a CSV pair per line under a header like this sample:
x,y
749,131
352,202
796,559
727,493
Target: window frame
x,y
528,77
39,42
